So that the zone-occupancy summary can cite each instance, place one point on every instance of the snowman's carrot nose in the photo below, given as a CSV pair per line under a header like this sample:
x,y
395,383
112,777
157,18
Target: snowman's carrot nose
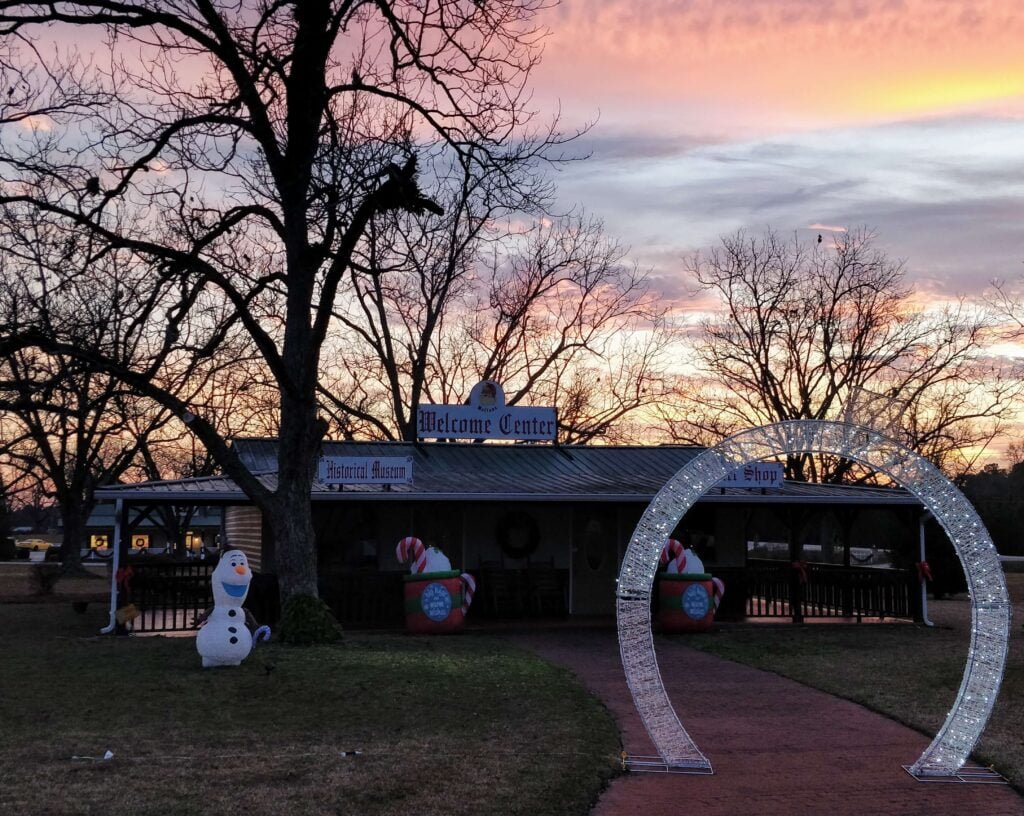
x,y
240,569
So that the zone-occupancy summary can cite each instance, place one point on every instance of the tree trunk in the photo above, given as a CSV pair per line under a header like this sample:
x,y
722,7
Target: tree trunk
x,y
291,522
291,513
73,517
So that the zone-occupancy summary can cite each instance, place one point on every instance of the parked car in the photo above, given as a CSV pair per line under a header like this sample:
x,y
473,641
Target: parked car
x,y
37,549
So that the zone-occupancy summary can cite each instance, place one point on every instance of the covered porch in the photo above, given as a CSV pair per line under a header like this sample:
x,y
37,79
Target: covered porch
x,y
544,529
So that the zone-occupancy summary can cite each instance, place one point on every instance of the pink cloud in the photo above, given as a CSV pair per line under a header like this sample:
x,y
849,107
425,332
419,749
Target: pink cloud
x,y
783,61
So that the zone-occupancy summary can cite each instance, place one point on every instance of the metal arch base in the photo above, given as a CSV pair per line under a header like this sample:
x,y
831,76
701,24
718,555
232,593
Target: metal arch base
x,y
986,657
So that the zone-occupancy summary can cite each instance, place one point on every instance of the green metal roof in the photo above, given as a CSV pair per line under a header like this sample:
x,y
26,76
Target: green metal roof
x,y
498,472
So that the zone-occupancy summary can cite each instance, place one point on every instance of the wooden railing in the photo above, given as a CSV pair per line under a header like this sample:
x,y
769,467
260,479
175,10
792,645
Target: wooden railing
x,y
171,594
168,594
778,589
365,599
368,599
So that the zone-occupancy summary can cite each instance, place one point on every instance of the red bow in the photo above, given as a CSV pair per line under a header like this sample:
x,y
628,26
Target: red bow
x,y
123,578
801,567
924,572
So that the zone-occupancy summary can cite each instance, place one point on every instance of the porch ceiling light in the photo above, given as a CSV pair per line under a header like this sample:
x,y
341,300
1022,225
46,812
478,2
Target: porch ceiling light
x,y
986,656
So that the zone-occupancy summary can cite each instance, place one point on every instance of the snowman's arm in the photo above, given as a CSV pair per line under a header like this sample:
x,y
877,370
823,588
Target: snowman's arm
x,y
200,619
250,621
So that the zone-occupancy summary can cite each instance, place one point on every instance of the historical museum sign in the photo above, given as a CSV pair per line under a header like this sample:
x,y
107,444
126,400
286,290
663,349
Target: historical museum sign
x,y
365,470
485,417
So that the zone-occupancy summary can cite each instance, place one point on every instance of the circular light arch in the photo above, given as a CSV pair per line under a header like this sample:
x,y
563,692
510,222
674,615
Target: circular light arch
x,y
990,604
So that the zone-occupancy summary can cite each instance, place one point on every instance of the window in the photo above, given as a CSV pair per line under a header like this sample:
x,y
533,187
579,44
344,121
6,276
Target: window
x,y
193,541
99,542
774,550
140,541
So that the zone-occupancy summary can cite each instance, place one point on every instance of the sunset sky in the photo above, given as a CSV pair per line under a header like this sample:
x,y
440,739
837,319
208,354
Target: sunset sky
x,y
905,116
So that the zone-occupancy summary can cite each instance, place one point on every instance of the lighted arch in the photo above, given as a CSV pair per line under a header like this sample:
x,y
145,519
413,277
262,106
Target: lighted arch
x,y
986,655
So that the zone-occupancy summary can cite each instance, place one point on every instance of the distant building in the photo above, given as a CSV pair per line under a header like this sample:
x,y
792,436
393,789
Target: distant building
x,y
197,528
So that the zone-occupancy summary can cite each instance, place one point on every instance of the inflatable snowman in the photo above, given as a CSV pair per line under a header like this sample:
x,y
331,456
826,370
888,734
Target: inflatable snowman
x,y
224,639
435,561
691,563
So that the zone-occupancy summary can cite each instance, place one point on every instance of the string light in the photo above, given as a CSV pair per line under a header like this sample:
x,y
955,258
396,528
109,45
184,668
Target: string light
x,y
990,629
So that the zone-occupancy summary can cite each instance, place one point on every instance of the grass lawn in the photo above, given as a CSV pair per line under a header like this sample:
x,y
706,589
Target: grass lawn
x,y
450,725
441,725
910,673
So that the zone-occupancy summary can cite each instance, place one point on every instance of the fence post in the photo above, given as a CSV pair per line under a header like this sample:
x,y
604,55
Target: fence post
x,y
796,591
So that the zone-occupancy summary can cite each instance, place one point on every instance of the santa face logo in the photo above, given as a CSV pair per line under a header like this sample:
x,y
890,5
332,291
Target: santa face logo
x,y
695,601
436,602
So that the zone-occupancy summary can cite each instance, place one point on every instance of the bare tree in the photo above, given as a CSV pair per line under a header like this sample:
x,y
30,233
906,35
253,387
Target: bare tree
x,y
68,427
255,143
5,512
398,302
235,397
828,331
553,313
70,432
1006,299
573,324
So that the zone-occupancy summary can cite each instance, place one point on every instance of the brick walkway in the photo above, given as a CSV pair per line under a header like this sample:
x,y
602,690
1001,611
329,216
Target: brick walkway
x,y
777,747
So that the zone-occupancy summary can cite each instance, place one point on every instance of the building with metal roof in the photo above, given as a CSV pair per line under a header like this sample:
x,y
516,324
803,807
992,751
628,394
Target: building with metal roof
x,y
512,513
506,473
197,526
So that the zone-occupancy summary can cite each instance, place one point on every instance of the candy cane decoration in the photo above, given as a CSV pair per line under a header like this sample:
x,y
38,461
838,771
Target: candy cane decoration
x,y
262,633
718,590
412,547
468,588
672,554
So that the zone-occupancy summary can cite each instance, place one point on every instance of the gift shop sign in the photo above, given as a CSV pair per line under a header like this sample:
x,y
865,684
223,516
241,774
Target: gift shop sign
x,y
335,470
757,474
485,417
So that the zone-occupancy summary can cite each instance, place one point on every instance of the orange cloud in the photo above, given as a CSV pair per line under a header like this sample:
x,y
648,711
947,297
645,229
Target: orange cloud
x,y
774,62
939,92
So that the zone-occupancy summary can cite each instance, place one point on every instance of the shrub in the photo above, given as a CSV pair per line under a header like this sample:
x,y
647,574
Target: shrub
x,y
43,578
306,620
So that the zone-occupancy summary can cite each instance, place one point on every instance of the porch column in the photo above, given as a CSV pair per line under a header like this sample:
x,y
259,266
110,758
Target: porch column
x,y
572,542
120,513
796,589
924,584
846,518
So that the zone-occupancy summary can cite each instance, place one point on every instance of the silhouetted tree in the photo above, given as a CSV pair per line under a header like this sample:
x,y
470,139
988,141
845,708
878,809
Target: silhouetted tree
x,y
65,426
829,331
553,313
229,149
997,494
6,541
1006,299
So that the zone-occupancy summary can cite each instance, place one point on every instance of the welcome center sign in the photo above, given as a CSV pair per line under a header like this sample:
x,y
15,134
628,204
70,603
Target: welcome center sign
x,y
485,417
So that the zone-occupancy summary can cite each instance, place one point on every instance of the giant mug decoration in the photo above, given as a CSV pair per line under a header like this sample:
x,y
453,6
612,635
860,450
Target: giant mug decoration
x,y
986,657
437,597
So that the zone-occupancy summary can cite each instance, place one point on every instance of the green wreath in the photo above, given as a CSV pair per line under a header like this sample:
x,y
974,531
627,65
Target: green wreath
x,y
517,546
